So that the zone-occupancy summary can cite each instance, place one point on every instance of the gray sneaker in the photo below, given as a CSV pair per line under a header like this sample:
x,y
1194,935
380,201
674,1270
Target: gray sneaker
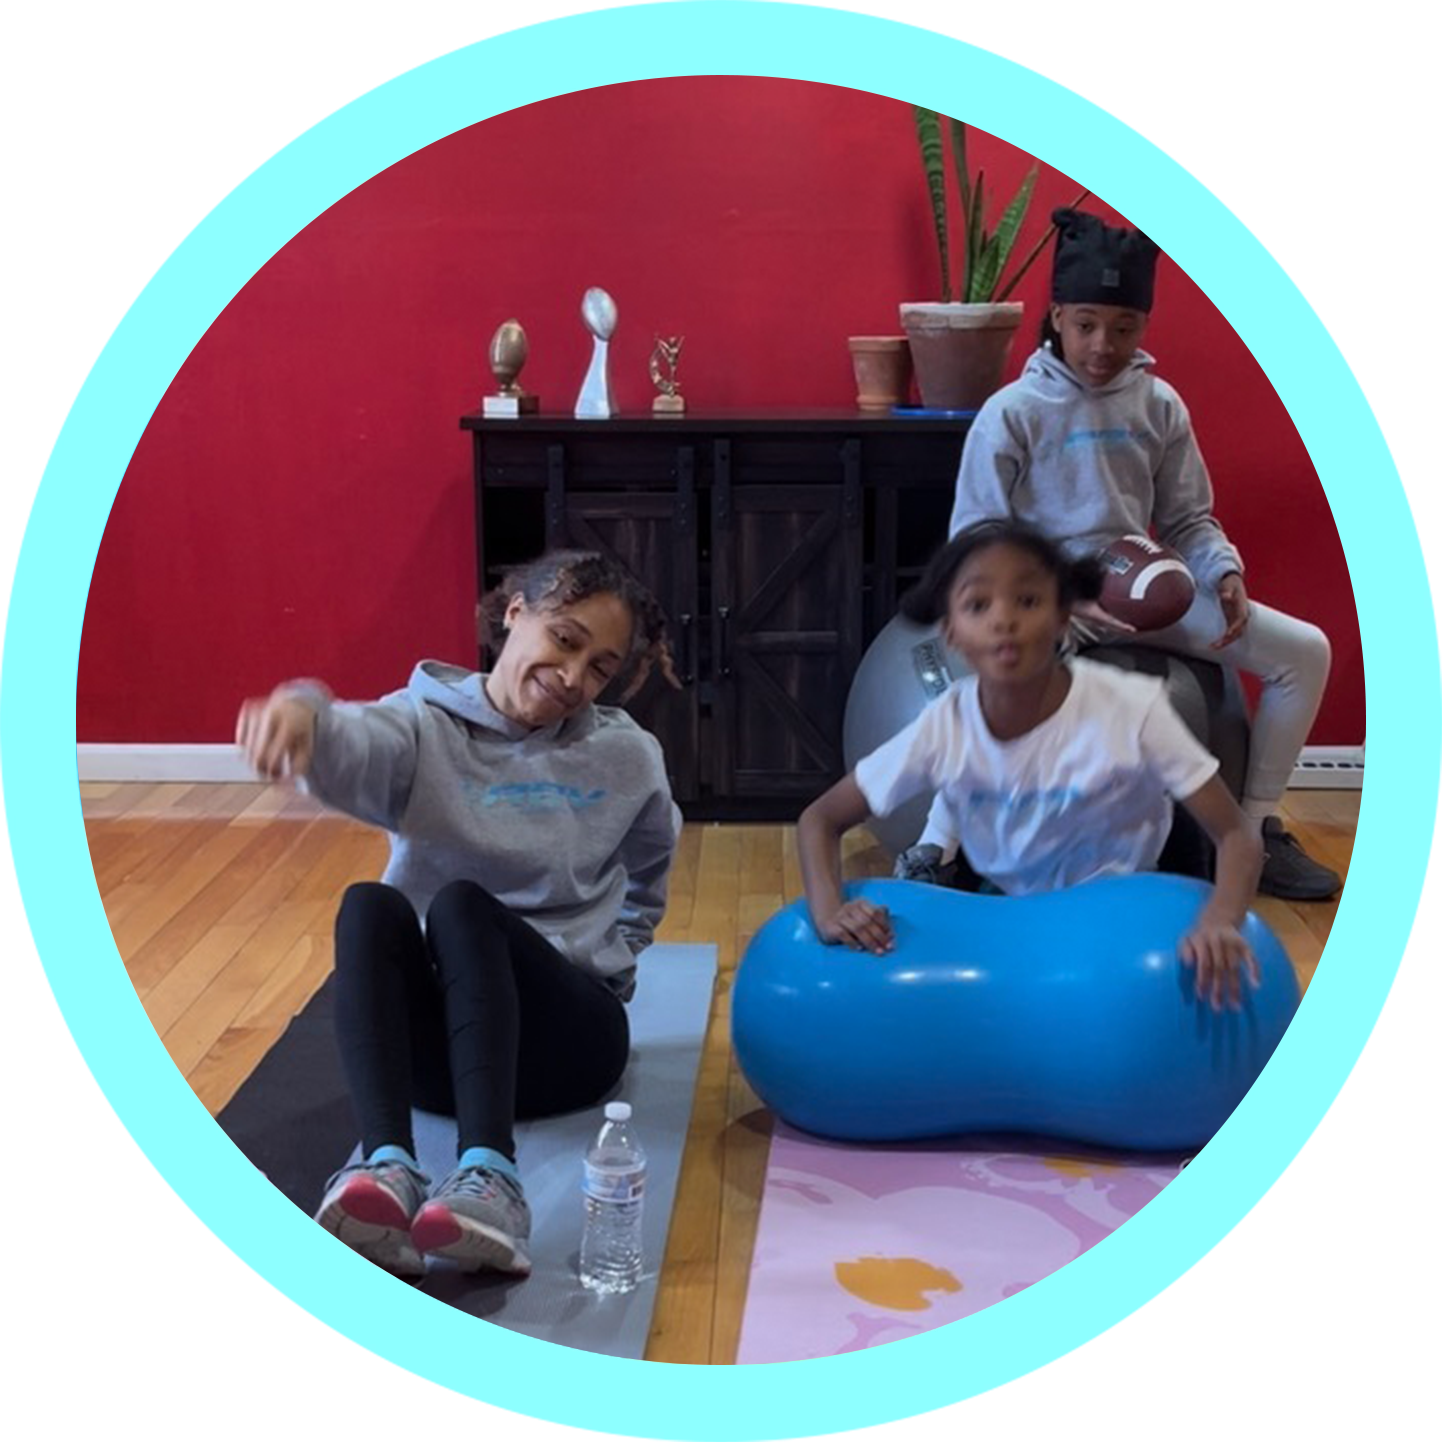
x,y
919,863
1288,872
479,1219
370,1208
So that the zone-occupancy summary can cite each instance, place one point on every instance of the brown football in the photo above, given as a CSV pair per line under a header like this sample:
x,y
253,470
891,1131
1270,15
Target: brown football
x,y
1145,583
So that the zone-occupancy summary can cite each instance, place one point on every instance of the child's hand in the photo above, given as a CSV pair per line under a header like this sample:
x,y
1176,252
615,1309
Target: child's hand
x,y
1098,615
861,925
1236,609
1220,955
277,734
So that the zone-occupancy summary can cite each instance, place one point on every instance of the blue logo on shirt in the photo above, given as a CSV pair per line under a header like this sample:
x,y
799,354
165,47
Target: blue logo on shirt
x,y
533,796
1028,805
1109,436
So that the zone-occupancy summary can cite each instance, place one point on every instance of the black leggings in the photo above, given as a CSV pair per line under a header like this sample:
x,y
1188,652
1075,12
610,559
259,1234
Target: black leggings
x,y
477,1016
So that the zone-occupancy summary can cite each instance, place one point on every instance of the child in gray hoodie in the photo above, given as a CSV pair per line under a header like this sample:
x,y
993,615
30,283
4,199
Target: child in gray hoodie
x,y
1089,445
485,975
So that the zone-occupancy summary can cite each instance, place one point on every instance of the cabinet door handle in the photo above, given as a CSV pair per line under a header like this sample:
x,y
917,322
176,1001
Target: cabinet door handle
x,y
724,615
688,672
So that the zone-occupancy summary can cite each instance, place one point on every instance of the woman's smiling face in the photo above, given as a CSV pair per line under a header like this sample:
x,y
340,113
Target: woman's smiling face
x,y
558,659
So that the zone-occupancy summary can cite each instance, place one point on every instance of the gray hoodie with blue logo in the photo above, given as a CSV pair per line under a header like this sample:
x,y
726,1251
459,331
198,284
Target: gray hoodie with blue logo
x,y
1087,464
570,825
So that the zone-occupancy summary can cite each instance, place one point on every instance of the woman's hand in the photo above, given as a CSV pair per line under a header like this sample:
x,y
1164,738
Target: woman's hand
x,y
1236,609
861,925
1220,955
277,734
1096,614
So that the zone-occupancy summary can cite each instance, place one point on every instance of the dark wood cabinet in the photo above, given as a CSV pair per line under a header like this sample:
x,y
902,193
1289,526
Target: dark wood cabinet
x,y
778,545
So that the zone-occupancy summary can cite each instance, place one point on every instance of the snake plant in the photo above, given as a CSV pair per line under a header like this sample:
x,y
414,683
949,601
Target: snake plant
x,y
985,253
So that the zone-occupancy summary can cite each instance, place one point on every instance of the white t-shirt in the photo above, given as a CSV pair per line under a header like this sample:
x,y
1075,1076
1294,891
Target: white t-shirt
x,y
1087,793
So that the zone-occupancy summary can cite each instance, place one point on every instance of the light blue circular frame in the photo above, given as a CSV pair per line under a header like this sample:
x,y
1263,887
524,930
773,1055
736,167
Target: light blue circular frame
x,y
42,646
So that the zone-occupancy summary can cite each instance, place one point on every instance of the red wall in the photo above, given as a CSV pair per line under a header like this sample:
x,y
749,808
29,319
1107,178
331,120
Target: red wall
x,y
300,502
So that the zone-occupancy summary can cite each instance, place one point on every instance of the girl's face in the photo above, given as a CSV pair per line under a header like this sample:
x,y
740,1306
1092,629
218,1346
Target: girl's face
x,y
558,659
1003,615
1098,341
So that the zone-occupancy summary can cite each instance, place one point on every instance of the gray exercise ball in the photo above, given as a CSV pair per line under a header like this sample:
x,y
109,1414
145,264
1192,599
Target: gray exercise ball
x,y
908,665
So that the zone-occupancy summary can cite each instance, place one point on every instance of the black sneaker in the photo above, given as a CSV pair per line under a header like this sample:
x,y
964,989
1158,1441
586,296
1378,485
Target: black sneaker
x,y
1289,872
919,863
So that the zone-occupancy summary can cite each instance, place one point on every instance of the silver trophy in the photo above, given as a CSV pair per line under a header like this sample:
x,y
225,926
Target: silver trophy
x,y
598,310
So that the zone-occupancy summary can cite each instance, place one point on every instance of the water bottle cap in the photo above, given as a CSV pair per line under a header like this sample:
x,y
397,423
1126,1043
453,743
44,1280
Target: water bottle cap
x,y
618,1111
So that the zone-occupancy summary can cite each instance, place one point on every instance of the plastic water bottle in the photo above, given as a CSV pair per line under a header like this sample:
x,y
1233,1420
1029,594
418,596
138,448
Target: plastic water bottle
x,y
614,1184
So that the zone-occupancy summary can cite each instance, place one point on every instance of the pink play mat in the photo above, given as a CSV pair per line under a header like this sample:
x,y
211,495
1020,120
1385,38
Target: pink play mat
x,y
858,1245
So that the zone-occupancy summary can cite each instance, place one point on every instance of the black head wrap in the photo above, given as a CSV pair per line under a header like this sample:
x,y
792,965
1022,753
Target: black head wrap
x,y
1100,264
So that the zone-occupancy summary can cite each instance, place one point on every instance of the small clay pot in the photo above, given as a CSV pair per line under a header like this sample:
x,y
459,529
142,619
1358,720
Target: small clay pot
x,y
883,371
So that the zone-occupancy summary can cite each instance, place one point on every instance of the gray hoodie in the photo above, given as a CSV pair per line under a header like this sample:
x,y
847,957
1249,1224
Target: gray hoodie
x,y
571,825
1087,464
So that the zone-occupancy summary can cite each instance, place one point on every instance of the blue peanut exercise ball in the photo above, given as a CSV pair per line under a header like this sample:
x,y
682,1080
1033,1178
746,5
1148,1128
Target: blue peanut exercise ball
x,y
908,665
1065,1015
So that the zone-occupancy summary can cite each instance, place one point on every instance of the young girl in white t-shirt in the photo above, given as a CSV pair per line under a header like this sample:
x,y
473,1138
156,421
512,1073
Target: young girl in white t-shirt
x,y
1053,771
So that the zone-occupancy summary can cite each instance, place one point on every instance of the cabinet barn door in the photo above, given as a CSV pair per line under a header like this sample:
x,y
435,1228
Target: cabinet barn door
x,y
786,635
653,535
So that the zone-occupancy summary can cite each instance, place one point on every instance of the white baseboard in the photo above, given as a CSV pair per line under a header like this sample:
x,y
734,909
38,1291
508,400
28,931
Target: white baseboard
x,y
98,761
1320,767
1329,768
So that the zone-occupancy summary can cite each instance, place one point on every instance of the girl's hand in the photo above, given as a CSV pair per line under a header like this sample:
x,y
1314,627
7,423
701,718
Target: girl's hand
x,y
861,925
1098,615
277,734
1236,609
1220,955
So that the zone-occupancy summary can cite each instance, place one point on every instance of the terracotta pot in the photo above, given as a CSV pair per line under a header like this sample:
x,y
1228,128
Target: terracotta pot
x,y
959,350
883,371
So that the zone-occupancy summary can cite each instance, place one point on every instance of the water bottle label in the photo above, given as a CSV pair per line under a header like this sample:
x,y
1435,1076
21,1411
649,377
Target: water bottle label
x,y
609,1186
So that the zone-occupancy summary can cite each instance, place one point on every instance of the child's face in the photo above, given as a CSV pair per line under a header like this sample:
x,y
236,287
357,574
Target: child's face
x,y
1003,615
558,659
1098,341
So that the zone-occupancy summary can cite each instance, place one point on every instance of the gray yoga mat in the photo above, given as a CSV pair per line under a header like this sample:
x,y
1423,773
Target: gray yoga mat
x,y
668,1023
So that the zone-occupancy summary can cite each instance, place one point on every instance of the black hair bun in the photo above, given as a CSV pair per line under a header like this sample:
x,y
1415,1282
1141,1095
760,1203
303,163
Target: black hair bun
x,y
919,604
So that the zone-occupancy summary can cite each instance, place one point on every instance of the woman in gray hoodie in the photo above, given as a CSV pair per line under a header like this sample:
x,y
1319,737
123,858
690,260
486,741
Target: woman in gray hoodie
x,y
485,975
1088,445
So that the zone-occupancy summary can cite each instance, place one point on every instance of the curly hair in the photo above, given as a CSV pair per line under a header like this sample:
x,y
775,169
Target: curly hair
x,y
562,578
927,601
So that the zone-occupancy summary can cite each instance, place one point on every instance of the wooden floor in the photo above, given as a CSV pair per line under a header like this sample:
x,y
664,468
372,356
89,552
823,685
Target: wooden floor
x,y
221,899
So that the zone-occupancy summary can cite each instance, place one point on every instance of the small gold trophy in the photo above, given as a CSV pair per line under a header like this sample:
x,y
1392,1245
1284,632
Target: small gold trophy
x,y
508,352
667,353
